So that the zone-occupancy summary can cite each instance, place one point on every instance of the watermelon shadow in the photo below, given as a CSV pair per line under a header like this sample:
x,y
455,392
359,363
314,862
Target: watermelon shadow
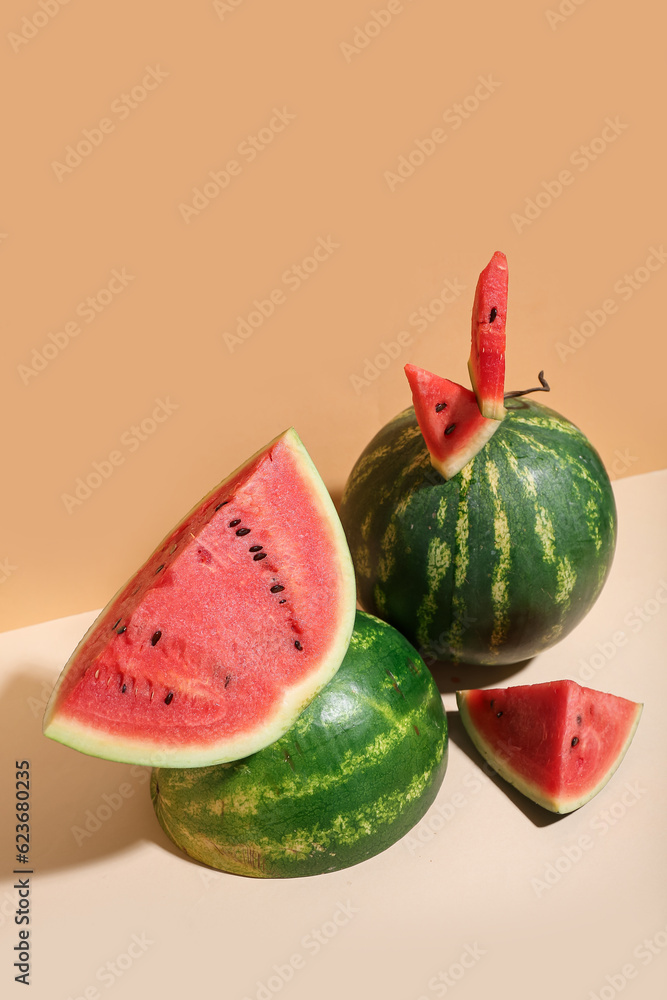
x,y
538,815
451,677
82,808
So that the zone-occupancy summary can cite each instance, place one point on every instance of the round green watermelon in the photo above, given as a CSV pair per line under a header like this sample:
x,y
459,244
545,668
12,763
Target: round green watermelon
x,y
355,772
495,564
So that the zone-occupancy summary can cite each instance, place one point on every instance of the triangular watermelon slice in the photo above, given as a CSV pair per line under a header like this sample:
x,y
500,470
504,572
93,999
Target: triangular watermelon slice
x,y
487,351
557,743
235,622
448,415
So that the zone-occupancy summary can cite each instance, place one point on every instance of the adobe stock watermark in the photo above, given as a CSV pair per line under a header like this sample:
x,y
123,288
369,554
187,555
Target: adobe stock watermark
x,y
446,979
248,150
7,569
87,310
418,320
121,108
37,706
109,804
571,854
292,279
634,622
645,952
113,970
364,34
454,116
582,157
565,10
130,441
32,24
625,288
223,7
311,943
441,813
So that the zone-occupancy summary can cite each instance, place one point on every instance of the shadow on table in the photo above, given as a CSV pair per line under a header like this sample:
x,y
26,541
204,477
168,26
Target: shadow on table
x,y
81,808
451,677
538,815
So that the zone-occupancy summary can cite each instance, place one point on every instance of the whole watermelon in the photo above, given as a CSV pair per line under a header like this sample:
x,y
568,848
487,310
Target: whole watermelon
x,y
495,564
357,770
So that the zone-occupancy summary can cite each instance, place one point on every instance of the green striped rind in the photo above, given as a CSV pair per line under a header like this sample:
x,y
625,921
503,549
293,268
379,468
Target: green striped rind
x,y
495,564
357,770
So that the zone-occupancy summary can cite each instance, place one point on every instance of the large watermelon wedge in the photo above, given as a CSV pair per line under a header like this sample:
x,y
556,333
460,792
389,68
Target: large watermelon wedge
x,y
557,743
353,774
228,630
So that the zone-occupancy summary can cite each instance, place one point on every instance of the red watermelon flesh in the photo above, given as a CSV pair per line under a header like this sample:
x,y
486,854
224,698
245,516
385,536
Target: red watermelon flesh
x,y
558,743
448,415
216,645
487,351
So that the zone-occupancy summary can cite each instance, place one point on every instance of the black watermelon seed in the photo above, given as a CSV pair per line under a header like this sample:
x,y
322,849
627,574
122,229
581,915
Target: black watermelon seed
x,y
256,548
448,430
492,702
159,568
575,740
228,679
117,623
494,313
121,630
498,714
123,689
222,504
579,719
156,637
283,600
260,555
243,531
439,407
237,520
298,645
276,589
170,697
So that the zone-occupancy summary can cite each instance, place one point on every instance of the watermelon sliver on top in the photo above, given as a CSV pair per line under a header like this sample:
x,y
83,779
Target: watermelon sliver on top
x,y
487,350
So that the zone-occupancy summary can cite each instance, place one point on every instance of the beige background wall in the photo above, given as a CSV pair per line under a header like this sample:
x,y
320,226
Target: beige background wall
x,y
119,111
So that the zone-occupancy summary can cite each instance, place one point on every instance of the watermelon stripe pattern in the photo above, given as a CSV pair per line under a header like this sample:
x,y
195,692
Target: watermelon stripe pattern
x,y
498,562
356,771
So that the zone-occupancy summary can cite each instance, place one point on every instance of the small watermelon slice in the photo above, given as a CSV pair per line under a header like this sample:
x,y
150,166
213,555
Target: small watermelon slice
x,y
448,415
487,351
235,622
557,743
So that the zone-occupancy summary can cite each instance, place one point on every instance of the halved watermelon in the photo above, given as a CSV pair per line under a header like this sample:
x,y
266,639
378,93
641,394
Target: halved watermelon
x,y
235,622
487,350
448,416
557,743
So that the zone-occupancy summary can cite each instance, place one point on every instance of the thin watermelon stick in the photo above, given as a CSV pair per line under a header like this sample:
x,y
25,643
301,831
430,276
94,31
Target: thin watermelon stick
x,y
487,351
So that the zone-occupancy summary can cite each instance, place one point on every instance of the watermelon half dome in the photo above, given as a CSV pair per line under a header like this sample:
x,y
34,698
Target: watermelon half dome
x,y
230,628
357,770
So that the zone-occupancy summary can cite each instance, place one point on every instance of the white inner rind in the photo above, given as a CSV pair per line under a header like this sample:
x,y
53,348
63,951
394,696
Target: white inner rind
x,y
452,465
124,749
